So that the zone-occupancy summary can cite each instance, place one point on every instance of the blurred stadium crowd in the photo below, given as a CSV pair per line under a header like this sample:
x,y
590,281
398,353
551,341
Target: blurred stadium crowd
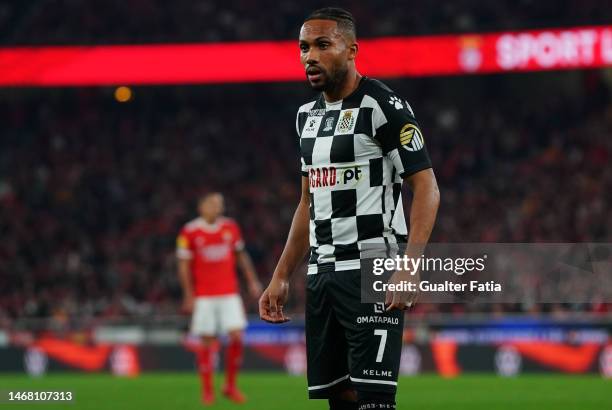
x,y
148,21
93,192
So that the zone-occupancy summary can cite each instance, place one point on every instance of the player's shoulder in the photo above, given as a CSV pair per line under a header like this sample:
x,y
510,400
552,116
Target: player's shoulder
x,y
310,105
307,107
377,89
387,98
228,222
192,225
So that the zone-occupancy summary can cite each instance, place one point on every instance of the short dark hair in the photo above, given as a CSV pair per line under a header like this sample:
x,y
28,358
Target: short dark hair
x,y
204,197
345,20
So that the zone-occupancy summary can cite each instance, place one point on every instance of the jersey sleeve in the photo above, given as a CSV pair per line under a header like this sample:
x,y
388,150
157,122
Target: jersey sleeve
x,y
238,240
400,136
298,128
183,246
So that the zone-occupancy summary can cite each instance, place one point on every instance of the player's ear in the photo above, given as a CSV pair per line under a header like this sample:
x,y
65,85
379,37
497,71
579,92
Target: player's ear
x,y
353,50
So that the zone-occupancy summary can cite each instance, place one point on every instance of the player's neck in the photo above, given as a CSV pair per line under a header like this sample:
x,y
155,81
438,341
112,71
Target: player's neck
x,y
350,84
210,221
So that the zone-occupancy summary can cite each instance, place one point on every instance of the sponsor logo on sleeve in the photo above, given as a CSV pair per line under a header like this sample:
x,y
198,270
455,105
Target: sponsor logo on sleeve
x,y
396,102
411,138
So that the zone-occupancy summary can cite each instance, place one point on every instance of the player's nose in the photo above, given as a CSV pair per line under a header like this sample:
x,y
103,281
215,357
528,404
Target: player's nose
x,y
312,57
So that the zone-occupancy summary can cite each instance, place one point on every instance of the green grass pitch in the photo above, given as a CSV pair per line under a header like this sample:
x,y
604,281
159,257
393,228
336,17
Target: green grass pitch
x,y
274,391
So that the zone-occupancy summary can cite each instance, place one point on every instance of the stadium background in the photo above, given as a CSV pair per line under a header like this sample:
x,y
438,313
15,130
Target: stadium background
x,y
94,190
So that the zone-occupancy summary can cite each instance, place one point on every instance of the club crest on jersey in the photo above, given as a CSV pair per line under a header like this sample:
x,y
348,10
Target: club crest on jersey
x,y
379,307
411,138
329,123
346,122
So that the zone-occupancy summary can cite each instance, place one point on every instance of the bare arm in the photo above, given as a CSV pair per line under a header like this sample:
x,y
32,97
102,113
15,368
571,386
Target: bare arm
x,y
246,266
425,202
274,297
297,240
184,275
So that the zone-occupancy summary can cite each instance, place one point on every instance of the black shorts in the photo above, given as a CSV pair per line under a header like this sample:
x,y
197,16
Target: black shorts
x,y
349,344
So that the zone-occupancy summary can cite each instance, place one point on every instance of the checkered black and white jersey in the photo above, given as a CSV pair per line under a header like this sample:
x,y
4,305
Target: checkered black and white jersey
x,y
355,153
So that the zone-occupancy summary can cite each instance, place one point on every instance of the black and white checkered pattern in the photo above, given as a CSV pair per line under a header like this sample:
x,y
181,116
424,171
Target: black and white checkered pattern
x,y
355,153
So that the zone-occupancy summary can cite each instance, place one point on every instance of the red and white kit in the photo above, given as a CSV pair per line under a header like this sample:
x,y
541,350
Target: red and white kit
x,y
211,249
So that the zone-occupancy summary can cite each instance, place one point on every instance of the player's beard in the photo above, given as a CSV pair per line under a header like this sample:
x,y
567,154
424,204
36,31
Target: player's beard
x,y
333,80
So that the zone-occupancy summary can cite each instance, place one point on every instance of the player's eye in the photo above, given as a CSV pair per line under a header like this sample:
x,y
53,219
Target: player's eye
x,y
323,45
304,47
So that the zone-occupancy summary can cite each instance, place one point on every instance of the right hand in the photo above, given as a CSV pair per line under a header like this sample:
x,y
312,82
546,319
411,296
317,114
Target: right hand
x,y
402,300
188,303
272,301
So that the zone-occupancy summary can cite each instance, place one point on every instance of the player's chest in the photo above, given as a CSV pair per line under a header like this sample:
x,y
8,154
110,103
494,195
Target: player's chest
x,y
327,123
337,136
213,246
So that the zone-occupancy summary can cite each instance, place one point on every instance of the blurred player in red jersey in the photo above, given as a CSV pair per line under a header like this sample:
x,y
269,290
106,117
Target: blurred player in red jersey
x,y
208,249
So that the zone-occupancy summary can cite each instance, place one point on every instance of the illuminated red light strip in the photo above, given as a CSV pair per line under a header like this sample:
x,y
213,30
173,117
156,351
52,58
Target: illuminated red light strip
x,y
572,48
